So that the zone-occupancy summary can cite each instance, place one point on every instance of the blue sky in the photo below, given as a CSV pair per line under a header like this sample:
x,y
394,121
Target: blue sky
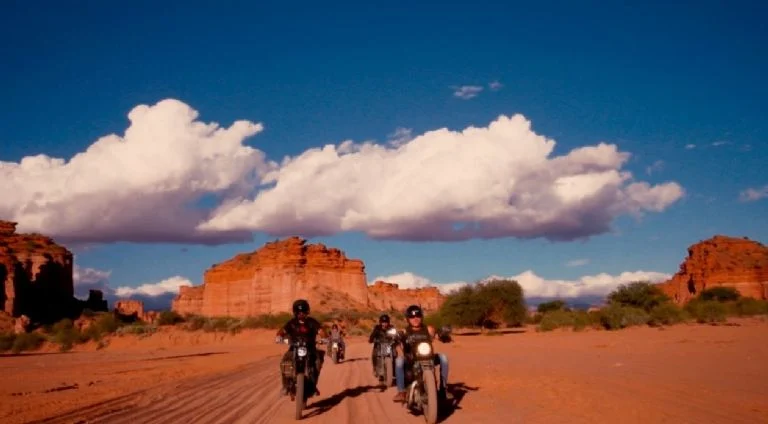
x,y
653,79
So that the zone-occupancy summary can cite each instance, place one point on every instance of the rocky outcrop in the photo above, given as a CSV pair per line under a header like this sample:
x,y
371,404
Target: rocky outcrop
x,y
721,261
133,310
385,296
269,279
36,274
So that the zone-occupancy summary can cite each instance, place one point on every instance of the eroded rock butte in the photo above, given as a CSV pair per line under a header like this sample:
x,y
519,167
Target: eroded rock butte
x,y
721,261
269,279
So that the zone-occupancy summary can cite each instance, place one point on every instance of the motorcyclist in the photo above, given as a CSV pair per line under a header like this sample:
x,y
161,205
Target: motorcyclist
x,y
338,336
415,316
379,331
302,325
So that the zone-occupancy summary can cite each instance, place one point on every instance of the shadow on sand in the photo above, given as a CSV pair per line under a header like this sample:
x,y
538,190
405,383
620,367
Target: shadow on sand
x,y
448,407
192,355
352,360
322,406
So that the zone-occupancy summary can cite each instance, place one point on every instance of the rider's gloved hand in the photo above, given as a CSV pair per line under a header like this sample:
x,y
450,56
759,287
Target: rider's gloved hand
x,y
278,339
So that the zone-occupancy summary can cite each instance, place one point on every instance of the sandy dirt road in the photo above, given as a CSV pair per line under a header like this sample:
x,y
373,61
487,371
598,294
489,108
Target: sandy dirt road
x,y
681,374
250,394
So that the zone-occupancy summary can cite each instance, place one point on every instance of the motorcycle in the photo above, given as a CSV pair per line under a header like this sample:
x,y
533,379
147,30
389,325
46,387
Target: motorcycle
x,y
298,371
421,378
335,351
385,358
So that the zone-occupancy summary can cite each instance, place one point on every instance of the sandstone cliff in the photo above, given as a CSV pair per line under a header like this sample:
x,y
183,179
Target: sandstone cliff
x,y
133,310
385,296
721,261
36,274
269,279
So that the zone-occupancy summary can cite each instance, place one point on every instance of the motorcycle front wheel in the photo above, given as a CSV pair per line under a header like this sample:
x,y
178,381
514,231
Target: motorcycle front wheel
x,y
430,409
299,395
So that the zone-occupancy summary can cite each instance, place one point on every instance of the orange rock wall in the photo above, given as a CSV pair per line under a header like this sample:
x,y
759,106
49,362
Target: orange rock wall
x,y
721,261
269,279
389,297
36,275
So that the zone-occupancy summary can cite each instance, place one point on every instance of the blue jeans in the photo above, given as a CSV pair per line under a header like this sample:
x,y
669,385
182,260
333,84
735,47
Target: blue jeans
x,y
400,371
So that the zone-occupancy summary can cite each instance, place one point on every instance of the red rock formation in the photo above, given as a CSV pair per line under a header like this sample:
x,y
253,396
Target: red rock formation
x,y
390,297
134,309
269,279
721,261
36,274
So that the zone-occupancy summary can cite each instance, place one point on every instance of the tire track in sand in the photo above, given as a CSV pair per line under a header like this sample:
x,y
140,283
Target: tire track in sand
x,y
251,394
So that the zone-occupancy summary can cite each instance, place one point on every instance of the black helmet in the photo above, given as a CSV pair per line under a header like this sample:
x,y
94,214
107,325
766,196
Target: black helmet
x,y
300,305
414,311
384,318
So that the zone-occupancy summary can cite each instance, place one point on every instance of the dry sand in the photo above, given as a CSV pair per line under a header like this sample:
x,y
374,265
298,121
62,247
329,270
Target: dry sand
x,y
681,374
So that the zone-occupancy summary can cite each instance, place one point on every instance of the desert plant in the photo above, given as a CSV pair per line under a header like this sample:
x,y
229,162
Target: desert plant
x,y
27,341
616,317
707,311
640,294
65,334
6,341
667,314
747,306
720,294
488,305
551,306
169,318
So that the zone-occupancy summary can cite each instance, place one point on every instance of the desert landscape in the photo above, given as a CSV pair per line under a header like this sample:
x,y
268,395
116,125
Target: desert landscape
x,y
211,360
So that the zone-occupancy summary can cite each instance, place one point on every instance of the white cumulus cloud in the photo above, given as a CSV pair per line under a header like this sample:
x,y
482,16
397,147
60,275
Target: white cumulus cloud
x,y
156,182
535,286
169,285
494,181
142,186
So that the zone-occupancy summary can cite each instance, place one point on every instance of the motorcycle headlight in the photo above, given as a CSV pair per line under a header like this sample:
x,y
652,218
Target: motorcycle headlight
x,y
423,349
392,331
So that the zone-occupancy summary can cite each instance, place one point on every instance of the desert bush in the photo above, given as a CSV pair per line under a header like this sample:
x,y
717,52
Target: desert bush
x,y
169,318
435,319
707,311
27,341
65,334
667,314
615,316
747,306
554,305
577,320
6,341
488,305
720,294
195,322
142,330
640,294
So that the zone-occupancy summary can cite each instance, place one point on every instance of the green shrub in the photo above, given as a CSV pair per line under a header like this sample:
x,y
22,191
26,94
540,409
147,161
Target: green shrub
x,y
27,341
616,317
554,305
641,294
195,322
6,341
489,304
142,330
65,334
747,306
555,319
667,314
169,318
707,311
720,294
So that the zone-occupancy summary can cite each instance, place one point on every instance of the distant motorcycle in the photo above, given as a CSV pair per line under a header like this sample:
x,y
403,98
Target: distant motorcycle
x,y
336,351
299,373
385,357
421,380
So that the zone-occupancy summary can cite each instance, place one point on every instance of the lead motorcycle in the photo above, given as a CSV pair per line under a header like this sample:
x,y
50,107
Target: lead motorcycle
x,y
421,379
298,372
385,357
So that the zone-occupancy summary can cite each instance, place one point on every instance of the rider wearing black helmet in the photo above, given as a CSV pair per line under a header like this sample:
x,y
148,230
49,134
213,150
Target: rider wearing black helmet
x,y
415,316
378,331
302,325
